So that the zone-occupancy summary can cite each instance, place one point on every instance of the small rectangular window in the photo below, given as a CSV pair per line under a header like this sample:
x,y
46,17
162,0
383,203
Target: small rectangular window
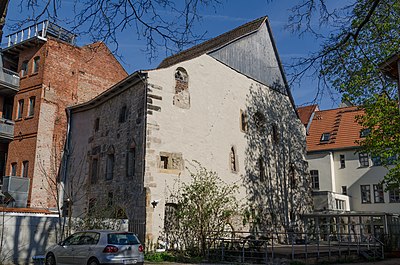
x,y
344,190
20,108
36,62
130,162
164,162
325,137
110,199
96,124
122,114
24,69
394,195
94,171
363,159
110,167
378,194
243,121
13,169
365,193
25,167
31,106
342,161
314,179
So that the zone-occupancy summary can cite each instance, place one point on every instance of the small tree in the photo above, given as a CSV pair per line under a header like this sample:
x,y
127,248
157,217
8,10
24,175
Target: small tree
x,y
204,206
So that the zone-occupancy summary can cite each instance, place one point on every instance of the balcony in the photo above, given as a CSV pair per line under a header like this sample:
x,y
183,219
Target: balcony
x,y
34,34
9,82
16,191
6,130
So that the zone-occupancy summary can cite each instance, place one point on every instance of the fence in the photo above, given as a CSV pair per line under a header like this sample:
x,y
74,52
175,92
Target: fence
x,y
266,248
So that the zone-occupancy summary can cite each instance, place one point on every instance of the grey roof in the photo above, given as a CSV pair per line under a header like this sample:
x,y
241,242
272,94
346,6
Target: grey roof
x,y
213,43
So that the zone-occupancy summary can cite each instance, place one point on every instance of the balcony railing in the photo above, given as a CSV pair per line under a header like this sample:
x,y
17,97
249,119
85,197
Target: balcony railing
x,y
9,78
40,30
6,129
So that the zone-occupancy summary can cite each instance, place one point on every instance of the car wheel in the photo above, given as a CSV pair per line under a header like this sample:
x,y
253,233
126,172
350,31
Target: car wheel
x,y
50,259
93,262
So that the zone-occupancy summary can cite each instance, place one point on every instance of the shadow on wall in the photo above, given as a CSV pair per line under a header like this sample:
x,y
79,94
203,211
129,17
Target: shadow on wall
x,y
276,179
22,237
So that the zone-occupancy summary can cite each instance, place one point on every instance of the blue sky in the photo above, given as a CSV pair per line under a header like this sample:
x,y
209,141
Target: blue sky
x,y
230,14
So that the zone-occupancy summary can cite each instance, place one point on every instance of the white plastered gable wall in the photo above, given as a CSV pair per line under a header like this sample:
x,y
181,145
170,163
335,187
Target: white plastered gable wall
x,y
205,132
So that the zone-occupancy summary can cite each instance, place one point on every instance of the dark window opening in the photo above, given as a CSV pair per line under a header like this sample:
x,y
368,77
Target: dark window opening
x,y
314,179
20,108
122,114
96,124
131,162
378,193
94,171
342,161
110,199
24,68
261,169
325,137
25,167
243,121
364,160
13,169
233,159
36,62
365,194
344,190
364,132
164,162
259,120
31,111
110,167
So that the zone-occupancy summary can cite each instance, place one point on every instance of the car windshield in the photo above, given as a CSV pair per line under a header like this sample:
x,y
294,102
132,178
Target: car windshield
x,y
122,239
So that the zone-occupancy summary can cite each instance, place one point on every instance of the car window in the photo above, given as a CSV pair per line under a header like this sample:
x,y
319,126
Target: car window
x,y
73,239
89,238
122,239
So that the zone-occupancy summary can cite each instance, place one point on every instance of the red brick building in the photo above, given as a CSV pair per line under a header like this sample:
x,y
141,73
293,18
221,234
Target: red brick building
x,y
54,74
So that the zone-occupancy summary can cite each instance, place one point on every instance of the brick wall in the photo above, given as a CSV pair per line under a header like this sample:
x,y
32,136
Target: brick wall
x,y
67,75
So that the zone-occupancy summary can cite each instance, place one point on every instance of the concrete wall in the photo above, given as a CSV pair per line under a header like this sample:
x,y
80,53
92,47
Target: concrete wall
x,y
26,235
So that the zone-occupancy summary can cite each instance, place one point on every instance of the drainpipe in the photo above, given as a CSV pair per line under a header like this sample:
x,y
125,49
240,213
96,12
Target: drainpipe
x,y
65,160
332,168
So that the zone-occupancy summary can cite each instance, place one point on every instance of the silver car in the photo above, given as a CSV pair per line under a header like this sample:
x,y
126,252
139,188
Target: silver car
x,y
97,247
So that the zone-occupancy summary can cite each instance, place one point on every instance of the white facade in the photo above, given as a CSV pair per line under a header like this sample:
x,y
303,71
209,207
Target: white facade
x,y
337,179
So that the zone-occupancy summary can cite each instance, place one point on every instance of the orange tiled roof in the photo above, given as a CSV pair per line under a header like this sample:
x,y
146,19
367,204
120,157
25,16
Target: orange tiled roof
x,y
305,113
340,123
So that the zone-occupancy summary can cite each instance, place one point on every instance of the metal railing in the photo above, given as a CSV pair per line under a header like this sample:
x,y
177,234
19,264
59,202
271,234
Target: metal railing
x,y
6,128
36,30
9,78
306,247
40,29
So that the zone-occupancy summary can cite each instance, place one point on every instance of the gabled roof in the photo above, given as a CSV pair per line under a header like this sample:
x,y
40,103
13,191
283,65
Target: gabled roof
x,y
306,112
214,43
342,126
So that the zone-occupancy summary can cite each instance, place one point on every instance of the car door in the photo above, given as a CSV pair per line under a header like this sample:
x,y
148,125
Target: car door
x,y
85,249
65,253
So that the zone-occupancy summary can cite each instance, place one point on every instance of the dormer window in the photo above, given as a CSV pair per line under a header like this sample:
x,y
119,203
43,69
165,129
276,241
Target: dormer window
x,y
325,137
364,132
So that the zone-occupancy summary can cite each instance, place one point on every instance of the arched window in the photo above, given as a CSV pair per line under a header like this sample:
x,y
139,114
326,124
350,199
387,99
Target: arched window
x,y
24,68
182,96
36,62
233,160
